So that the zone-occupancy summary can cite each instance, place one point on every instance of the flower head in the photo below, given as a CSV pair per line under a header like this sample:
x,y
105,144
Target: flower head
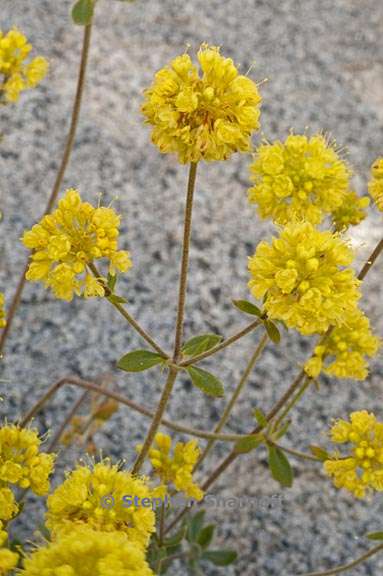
x,y
351,212
18,74
176,468
8,559
80,500
21,462
2,311
66,242
361,470
205,117
344,352
375,186
84,552
302,178
302,277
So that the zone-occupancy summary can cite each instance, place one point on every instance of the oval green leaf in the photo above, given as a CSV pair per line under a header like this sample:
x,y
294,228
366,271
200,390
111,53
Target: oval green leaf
x,y
206,536
220,557
208,383
280,467
248,443
272,332
375,535
82,12
248,307
139,360
200,344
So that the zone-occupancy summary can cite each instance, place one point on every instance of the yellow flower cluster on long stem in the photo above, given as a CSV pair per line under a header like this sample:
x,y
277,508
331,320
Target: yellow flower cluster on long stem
x,y
202,118
66,242
16,74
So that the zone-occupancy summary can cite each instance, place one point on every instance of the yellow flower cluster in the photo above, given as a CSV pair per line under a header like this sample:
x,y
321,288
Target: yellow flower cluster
x,y
351,212
361,471
8,559
375,186
66,242
85,552
81,500
344,353
302,178
202,118
302,278
176,468
21,462
2,311
17,74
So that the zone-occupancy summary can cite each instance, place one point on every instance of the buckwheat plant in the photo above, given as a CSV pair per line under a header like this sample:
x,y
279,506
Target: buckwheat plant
x,y
117,518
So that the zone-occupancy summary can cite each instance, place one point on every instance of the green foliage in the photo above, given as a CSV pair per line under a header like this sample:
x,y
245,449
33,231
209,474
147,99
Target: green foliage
x,y
205,381
139,360
280,467
82,12
199,344
272,331
248,443
248,308
319,452
375,535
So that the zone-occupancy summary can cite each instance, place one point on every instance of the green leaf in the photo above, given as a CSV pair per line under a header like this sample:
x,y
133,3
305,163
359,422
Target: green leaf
x,y
116,299
220,557
176,539
280,467
82,12
260,417
195,526
199,344
206,536
248,443
375,535
206,382
248,307
111,281
139,360
272,331
319,452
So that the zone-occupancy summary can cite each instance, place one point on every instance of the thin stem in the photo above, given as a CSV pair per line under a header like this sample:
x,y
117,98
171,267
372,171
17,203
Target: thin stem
x,y
156,422
118,306
293,452
293,402
233,400
185,260
172,375
371,260
350,565
249,328
72,381
60,174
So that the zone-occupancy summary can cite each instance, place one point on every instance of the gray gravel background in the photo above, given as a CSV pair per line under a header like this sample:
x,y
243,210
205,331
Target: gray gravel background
x,y
324,62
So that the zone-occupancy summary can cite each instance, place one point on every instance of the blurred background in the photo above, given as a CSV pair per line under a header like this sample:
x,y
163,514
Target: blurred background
x,y
324,66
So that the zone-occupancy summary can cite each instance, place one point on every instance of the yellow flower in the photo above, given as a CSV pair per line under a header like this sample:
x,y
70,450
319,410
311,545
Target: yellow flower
x,y
21,462
176,468
202,118
81,499
375,186
361,470
66,242
301,178
344,353
84,552
2,311
351,212
8,561
17,74
302,277
8,505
